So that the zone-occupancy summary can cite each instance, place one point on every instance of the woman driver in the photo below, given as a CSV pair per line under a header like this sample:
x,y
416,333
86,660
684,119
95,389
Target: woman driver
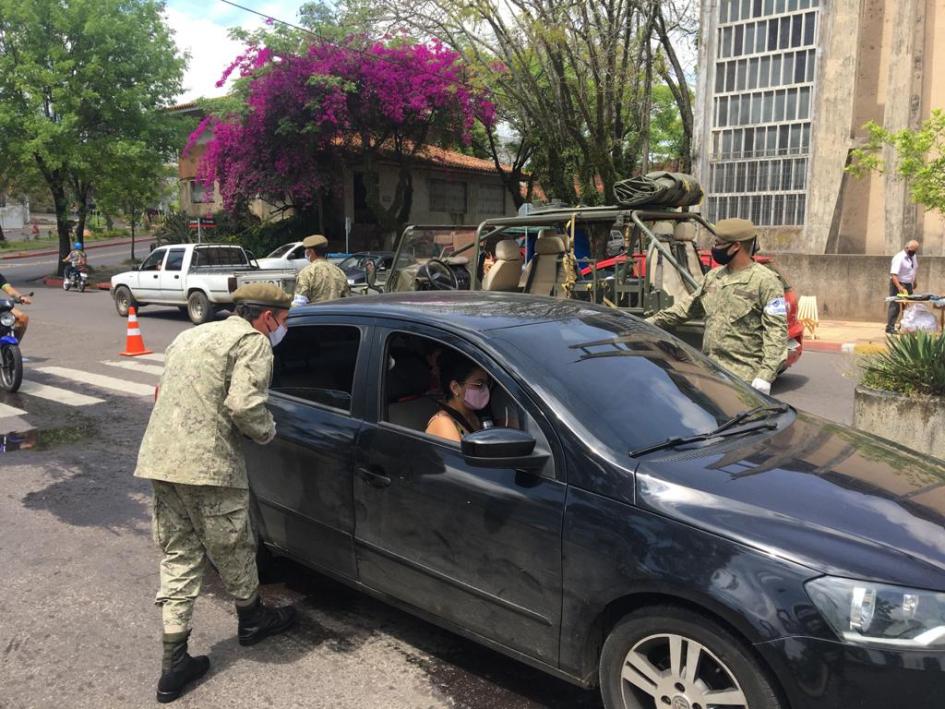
x,y
466,388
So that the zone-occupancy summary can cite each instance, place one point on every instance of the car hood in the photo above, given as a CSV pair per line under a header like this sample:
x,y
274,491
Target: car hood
x,y
825,495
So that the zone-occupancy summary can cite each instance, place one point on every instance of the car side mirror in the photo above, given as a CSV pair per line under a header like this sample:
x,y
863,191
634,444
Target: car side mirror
x,y
501,448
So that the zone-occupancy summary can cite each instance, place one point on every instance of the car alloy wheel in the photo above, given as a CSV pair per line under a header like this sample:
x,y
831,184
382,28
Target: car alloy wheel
x,y
669,657
679,673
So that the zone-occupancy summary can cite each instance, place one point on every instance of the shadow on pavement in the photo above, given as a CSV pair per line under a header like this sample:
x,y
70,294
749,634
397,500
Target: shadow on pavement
x,y
788,382
464,673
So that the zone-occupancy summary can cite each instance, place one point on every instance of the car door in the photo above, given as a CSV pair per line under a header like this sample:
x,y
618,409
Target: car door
x,y
149,275
478,547
170,283
302,480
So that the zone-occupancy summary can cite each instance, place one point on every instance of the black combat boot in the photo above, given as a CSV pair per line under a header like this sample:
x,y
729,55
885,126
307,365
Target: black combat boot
x,y
178,668
257,622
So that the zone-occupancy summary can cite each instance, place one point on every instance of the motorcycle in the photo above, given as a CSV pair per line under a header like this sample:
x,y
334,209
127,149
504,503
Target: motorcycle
x,y
77,278
11,361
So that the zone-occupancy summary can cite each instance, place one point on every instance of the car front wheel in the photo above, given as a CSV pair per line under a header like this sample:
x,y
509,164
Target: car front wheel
x,y
671,657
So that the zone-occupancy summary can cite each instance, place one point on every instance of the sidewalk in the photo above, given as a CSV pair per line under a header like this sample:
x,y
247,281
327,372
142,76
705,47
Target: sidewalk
x,y
847,336
119,241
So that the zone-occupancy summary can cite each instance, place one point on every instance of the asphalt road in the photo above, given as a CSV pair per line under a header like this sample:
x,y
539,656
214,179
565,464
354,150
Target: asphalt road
x,y
25,270
80,571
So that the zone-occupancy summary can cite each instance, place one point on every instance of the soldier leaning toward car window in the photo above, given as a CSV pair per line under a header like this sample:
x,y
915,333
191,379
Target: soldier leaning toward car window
x,y
320,279
213,392
744,309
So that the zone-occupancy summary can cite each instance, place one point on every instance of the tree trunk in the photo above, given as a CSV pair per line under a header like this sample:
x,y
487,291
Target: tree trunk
x,y
61,203
2,235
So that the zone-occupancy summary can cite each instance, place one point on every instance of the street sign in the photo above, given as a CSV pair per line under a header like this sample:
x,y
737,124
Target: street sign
x,y
202,223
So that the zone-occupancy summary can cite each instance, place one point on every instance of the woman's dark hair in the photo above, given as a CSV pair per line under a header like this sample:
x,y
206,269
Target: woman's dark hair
x,y
454,367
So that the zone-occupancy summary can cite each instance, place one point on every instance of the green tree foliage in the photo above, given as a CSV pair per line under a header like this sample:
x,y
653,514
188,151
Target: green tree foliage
x,y
82,83
918,157
575,81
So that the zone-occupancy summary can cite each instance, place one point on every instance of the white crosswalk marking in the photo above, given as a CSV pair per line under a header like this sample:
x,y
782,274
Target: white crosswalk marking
x,y
120,385
6,411
60,396
136,366
154,356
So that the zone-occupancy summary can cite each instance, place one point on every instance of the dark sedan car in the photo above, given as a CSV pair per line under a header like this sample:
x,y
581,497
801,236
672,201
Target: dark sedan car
x,y
635,518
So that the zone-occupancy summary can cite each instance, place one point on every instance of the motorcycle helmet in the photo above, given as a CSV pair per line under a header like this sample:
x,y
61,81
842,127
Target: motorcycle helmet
x,y
77,246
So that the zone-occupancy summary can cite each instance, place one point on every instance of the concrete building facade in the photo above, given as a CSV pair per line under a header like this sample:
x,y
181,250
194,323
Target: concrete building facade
x,y
783,92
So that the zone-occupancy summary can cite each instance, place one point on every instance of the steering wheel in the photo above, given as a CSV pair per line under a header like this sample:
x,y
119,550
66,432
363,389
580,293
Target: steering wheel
x,y
439,274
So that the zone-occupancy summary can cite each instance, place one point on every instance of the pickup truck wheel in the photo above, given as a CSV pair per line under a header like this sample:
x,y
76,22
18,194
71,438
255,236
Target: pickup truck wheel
x,y
124,300
198,308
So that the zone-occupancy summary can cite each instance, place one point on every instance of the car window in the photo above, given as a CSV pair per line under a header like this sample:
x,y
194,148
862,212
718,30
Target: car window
x,y
350,262
297,252
316,363
280,251
412,391
219,256
624,382
153,261
175,260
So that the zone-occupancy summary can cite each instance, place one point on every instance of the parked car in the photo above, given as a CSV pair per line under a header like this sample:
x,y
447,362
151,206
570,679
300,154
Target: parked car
x,y
292,256
637,519
605,268
354,267
197,278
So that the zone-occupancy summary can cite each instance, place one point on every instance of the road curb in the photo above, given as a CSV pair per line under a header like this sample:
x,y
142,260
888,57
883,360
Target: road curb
x,y
57,283
844,347
55,252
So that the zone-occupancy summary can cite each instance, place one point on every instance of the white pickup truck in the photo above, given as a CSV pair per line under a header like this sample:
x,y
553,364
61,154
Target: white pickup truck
x,y
197,278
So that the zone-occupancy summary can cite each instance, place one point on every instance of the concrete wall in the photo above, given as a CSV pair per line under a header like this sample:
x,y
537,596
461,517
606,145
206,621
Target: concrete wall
x,y
852,286
14,216
917,422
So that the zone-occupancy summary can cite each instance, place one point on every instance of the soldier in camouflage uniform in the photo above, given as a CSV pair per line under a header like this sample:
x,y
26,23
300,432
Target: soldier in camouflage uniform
x,y
321,279
213,393
744,309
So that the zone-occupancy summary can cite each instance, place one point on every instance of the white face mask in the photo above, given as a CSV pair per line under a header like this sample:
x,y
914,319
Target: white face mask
x,y
276,336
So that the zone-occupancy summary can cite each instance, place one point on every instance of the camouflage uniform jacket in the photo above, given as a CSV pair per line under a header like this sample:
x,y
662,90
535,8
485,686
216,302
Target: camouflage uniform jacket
x,y
321,280
745,320
214,389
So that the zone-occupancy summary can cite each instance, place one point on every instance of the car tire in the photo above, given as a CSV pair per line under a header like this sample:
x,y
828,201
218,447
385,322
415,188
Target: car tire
x,y
637,670
199,309
124,300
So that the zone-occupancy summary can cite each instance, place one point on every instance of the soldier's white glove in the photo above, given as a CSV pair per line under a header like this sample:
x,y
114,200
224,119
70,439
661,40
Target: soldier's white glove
x,y
761,385
270,438
299,299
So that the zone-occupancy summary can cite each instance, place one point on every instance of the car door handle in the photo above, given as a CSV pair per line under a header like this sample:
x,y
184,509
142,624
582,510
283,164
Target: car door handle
x,y
374,478
176,277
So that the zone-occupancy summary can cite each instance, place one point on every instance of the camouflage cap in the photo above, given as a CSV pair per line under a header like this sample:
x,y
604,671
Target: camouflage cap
x,y
265,294
732,230
314,241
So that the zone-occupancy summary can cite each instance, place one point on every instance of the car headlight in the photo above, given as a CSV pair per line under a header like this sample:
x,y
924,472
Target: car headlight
x,y
7,319
875,614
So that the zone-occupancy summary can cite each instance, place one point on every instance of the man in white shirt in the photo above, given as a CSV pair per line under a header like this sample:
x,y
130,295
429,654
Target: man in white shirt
x,y
901,280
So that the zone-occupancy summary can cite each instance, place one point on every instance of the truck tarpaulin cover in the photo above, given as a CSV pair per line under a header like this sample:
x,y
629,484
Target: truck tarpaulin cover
x,y
659,189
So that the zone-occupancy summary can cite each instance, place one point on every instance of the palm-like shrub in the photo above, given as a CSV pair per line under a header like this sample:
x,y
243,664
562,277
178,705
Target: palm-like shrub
x,y
914,363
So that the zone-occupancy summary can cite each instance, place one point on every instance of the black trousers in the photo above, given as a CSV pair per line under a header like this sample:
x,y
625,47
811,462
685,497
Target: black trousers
x,y
892,312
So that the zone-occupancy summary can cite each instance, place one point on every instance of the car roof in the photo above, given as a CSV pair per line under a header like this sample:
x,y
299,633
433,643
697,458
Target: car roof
x,y
470,312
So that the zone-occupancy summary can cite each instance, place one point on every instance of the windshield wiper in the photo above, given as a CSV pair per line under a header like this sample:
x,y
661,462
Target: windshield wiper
x,y
756,412
726,429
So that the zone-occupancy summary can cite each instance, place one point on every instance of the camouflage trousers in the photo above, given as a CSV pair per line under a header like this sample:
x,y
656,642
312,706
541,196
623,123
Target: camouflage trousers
x,y
194,523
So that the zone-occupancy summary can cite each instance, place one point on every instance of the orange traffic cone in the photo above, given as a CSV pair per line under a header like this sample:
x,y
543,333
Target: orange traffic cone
x,y
134,345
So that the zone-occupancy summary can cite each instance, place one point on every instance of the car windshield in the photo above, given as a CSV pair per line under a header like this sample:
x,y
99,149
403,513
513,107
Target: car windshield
x,y
281,251
624,382
351,262
420,245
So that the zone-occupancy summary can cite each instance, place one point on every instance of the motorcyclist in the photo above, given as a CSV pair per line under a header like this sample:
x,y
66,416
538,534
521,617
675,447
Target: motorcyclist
x,y
76,259
22,320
